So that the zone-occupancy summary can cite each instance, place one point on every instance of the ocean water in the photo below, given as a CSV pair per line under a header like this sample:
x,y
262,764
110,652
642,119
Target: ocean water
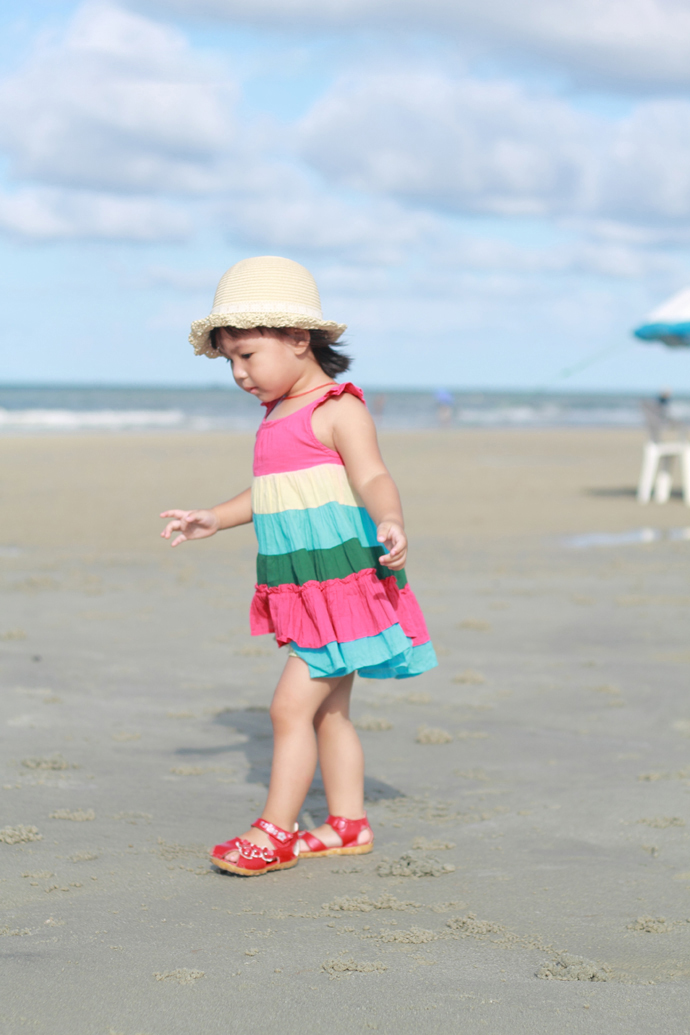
x,y
73,409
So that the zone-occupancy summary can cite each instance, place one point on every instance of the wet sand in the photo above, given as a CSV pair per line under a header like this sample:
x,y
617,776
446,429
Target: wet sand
x,y
530,797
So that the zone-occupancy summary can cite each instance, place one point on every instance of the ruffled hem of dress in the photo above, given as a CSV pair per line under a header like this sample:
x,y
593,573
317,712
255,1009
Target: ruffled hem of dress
x,y
390,655
338,610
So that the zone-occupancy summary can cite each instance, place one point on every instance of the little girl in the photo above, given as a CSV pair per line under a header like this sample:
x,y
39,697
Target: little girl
x,y
332,548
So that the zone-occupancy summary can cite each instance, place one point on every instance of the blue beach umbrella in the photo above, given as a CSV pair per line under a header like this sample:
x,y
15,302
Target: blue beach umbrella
x,y
669,323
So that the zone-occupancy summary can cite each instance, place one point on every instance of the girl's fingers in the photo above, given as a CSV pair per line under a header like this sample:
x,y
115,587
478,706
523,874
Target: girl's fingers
x,y
180,539
172,526
393,565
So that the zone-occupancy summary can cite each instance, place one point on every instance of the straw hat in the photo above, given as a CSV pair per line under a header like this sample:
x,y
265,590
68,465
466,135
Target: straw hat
x,y
265,291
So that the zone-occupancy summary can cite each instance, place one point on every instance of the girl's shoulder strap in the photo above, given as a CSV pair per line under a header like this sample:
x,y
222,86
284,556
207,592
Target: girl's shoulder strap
x,y
337,390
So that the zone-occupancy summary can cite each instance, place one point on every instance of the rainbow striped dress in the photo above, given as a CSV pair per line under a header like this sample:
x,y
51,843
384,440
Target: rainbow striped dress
x,y
320,585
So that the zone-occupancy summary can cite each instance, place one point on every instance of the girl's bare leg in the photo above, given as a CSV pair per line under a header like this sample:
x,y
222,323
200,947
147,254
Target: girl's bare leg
x,y
296,702
342,763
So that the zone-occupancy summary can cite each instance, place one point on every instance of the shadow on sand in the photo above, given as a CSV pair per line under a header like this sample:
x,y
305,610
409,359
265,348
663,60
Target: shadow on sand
x,y
624,492
255,725
620,492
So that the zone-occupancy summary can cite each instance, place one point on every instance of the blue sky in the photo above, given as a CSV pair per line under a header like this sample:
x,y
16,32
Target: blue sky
x,y
488,193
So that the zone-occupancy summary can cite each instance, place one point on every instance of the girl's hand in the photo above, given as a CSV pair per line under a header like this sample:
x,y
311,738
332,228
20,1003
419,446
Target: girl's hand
x,y
391,534
191,524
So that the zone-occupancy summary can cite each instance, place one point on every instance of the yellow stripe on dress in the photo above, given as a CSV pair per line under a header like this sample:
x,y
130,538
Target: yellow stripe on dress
x,y
301,490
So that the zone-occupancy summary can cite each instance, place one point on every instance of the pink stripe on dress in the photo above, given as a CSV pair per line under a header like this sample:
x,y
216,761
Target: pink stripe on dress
x,y
289,444
343,610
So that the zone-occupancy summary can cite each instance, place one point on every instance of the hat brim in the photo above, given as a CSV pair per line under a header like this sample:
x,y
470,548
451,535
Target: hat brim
x,y
200,335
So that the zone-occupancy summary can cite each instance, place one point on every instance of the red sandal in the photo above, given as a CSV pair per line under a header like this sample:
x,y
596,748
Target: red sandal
x,y
347,829
254,860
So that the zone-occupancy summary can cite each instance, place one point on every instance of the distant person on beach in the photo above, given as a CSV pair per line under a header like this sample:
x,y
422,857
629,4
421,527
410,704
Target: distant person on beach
x,y
378,406
445,404
330,579
658,414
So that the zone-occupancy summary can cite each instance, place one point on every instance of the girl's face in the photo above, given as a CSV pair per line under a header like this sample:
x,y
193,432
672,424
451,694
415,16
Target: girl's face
x,y
265,365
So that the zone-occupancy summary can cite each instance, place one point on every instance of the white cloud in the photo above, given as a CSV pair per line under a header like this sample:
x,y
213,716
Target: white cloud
x,y
625,41
297,215
470,145
119,129
119,104
49,214
491,146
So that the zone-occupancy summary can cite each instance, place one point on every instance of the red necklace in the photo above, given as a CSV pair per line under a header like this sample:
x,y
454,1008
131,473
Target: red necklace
x,y
309,391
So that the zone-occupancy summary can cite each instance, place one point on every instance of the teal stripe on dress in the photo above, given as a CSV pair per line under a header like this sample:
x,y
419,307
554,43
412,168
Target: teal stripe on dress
x,y
317,528
389,655
302,566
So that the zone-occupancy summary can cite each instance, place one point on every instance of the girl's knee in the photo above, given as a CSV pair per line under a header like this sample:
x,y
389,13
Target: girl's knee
x,y
278,712
286,711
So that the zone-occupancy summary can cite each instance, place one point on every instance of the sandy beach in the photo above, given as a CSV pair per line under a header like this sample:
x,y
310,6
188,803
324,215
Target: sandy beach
x,y
530,797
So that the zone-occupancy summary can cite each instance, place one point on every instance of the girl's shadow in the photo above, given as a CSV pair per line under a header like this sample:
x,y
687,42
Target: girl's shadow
x,y
255,725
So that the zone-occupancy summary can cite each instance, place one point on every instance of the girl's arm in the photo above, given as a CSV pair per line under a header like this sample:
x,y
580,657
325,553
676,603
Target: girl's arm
x,y
354,437
199,524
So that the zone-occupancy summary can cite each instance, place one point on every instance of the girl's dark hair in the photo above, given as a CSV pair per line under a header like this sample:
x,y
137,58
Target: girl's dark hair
x,y
331,362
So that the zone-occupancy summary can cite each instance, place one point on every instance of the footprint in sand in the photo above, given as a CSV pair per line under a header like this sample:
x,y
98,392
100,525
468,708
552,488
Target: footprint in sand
x,y
182,976
432,846
417,698
470,677
475,625
663,822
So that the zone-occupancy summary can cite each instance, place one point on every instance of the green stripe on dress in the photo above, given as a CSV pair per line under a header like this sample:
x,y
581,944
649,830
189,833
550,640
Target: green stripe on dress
x,y
302,566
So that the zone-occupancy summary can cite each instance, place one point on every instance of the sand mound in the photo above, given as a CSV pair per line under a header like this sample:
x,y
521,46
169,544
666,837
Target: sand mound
x,y
410,865
336,968
565,967
651,924
373,724
415,936
55,761
470,927
364,904
75,815
432,735
19,835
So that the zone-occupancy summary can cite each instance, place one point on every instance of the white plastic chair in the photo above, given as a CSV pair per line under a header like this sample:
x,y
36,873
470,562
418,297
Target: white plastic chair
x,y
658,459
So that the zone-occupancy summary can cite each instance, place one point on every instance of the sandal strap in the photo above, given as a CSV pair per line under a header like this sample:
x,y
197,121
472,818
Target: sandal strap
x,y
348,830
280,838
312,842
